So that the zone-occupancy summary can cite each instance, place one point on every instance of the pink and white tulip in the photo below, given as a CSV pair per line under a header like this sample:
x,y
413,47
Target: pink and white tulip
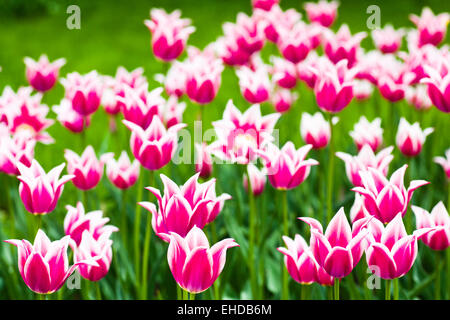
x,y
295,43
388,40
432,28
257,177
69,118
439,221
315,130
283,99
122,173
365,132
255,85
42,74
322,12
410,138
16,149
203,160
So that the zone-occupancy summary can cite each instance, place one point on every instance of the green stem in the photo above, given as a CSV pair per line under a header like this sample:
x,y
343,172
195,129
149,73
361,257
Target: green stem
x,y
437,288
396,289
387,295
251,247
147,241
305,292
185,295
330,171
137,229
124,224
336,288
97,290
285,289
179,293
191,296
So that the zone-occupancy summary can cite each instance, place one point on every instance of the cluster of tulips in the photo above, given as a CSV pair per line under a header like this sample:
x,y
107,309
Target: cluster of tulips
x,y
246,139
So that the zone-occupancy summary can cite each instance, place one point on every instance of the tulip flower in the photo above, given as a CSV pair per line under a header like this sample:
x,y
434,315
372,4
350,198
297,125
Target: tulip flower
x,y
255,85
301,263
169,33
284,73
175,80
94,249
264,4
182,208
84,91
444,162
241,135
337,251
77,221
15,149
122,173
393,79
365,159
155,146
203,162
385,198
410,138
306,70
193,263
432,28
418,98
69,118
38,190
42,74
322,12
287,168
438,83
87,169
172,111
365,132
246,33
362,90
393,254
358,211
439,221
294,43
283,99
315,130
257,179
388,40
44,265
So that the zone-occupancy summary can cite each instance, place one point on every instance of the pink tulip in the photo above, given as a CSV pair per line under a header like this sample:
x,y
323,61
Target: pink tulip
x,y
287,168
294,43
432,28
183,207
169,33
343,45
444,162
388,40
84,91
334,85
77,221
315,130
38,190
94,249
87,169
15,149
385,198
175,80
140,106
193,263
337,251
301,263
283,99
370,65
284,73
393,79
365,132
358,211
155,146
246,33
203,77
240,136
439,221
42,74
264,4
172,112
418,97
438,82
203,160
365,159
122,173
230,52
392,255
306,70
362,90
322,12
410,138
69,118
255,85
257,179
44,265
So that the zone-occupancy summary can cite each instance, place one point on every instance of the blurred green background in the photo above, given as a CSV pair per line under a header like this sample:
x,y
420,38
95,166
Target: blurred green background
x,y
113,34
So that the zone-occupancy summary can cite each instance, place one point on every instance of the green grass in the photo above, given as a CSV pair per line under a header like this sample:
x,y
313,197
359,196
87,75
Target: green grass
x,y
113,34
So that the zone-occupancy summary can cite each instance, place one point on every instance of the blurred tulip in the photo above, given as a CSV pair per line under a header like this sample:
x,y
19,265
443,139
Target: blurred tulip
x,y
38,190
69,118
255,85
294,43
42,74
284,73
432,28
337,251
393,79
365,132
257,179
122,173
172,112
322,12
175,80
87,169
444,162
315,130
439,221
246,33
410,138
264,4
438,83
155,146
44,265
203,160
358,211
16,149
362,90
275,19
182,208
283,99
388,40
365,159
193,263
169,33
418,97
384,198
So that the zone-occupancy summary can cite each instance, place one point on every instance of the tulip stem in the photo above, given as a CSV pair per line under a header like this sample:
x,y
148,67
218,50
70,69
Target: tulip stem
x,y
124,227
336,288
179,293
387,295
97,291
285,290
437,288
396,289
251,246
191,296
330,170
185,295
147,241
137,228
